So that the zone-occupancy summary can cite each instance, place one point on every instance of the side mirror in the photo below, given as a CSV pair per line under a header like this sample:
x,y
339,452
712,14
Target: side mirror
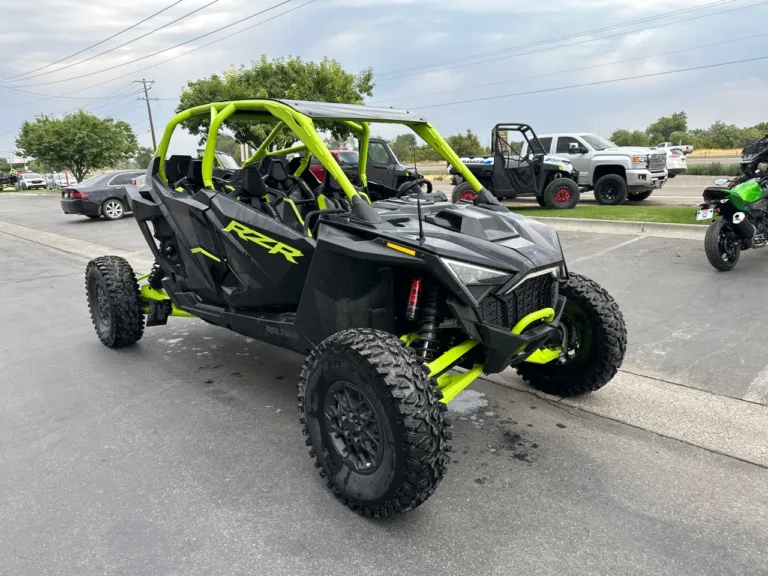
x,y
573,148
720,181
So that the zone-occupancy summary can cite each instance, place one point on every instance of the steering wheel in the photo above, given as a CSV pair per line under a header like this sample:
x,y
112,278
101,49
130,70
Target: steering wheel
x,y
406,186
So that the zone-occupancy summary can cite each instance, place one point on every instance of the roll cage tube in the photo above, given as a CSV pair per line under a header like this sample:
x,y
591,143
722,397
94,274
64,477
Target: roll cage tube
x,y
261,151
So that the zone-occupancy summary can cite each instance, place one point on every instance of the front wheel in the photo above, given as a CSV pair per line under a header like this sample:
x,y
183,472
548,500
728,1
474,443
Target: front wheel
x,y
640,196
722,246
611,190
113,300
375,426
594,338
561,193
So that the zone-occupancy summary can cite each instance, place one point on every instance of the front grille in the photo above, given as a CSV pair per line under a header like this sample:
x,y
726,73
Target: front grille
x,y
532,295
657,162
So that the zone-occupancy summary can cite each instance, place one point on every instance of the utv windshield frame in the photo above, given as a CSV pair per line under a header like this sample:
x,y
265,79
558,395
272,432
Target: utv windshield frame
x,y
299,116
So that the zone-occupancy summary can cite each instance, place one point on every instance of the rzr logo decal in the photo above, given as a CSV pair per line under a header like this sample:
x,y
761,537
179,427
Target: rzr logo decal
x,y
273,246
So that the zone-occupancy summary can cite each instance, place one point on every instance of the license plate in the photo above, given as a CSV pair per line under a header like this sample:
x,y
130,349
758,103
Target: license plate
x,y
707,214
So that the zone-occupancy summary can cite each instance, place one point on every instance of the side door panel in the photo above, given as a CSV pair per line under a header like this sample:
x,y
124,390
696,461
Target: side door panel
x,y
267,262
380,167
580,161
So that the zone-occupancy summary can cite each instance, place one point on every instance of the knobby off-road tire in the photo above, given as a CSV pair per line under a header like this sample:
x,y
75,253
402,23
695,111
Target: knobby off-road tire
x,y
611,190
464,190
640,196
715,250
113,300
405,434
597,342
561,194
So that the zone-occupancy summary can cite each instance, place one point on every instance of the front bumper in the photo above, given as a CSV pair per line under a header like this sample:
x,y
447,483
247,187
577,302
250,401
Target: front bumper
x,y
503,348
645,179
82,207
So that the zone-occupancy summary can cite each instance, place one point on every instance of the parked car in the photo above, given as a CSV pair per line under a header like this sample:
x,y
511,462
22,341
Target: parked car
x,y
59,180
676,162
614,173
686,148
30,181
102,195
343,157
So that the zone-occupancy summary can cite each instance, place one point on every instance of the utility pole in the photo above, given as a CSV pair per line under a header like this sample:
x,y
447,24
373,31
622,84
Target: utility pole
x,y
146,98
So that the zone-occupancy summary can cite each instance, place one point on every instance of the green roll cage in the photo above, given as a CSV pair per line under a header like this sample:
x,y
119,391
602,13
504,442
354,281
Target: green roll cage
x,y
302,126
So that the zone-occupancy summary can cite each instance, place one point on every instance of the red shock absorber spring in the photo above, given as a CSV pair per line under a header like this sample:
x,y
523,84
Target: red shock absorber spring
x,y
413,299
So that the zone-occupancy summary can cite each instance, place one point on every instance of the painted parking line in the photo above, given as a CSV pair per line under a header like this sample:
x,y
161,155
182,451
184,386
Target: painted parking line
x,y
606,250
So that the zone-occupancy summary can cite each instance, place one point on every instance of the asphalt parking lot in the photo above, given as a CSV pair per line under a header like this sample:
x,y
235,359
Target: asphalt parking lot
x,y
183,455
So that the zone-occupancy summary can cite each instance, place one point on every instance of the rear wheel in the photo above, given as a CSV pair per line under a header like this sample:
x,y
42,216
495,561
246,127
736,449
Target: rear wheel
x,y
561,193
113,300
611,190
113,209
640,196
592,332
375,426
464,192
722,246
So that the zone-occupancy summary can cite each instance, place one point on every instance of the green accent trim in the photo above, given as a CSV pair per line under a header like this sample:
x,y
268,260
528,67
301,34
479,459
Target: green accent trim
x,y
410,338
544,355
292,204
179,189
147,294
204,252
261,151
304,165
449,358
364,195
546,314
322,202
451,384
270,244
438,143
362,162
230,188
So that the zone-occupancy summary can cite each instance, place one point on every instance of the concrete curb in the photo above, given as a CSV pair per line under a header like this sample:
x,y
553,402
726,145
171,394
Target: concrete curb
x,y
627,228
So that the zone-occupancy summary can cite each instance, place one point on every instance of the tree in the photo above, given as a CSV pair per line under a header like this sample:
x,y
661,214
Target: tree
x,y
228,144
662,129
290,78
466,144
403,145
725,136
143,157
80,142
627,138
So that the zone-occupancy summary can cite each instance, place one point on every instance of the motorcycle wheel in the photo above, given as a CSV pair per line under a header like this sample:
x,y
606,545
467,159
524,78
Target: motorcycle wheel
x,y
722,246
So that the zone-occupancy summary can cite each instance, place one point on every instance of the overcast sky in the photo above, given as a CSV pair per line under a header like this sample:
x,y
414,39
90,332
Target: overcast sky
x,y
419,51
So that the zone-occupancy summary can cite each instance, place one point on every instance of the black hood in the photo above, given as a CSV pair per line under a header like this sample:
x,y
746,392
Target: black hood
x,y
492,237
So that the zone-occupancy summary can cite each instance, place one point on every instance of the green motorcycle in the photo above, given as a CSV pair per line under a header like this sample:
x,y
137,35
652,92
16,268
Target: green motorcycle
x,y
743,222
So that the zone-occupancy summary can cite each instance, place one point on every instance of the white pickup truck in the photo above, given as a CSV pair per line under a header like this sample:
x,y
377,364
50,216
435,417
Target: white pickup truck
x,y
614,173
686,148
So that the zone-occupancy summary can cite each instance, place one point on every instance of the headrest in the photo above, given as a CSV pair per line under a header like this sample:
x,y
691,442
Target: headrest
x,y
277,168
195,172
294,164
252,182
331,183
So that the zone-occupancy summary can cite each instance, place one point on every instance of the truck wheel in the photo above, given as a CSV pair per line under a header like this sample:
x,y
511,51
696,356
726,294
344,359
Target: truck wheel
x,y
595,334
113,300
561,193
640,196
464,192
722,246
611,190
375,426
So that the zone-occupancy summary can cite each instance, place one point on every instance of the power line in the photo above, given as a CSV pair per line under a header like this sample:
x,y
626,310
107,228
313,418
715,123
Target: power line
x,y
596,83
587,41
131,41
537,76
549,41
160,51
97,43
190,51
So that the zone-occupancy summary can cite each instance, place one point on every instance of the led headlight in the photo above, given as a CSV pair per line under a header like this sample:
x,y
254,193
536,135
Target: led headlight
x,y
469,274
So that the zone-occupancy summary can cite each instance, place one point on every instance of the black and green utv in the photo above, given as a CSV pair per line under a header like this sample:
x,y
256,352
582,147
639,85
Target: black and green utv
x,y
398,305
